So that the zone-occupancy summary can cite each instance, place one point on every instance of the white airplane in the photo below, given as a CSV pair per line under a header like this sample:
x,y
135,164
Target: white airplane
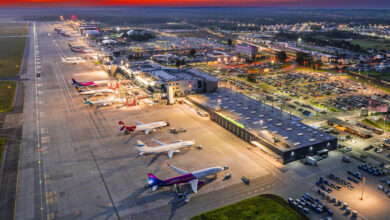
x,y
94,92
170,148
102,102
148,128
74,60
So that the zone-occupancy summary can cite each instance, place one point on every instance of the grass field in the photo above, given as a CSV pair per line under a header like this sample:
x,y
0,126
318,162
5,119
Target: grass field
x,y
376,44
7,93
383,88
374,73
318,71
379,124
13,29
264,207
11,54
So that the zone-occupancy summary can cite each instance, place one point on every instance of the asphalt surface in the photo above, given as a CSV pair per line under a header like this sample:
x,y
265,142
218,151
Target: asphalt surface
x,y
75,165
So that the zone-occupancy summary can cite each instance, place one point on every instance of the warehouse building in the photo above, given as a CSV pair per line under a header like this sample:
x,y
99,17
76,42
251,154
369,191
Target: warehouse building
x,y
277,133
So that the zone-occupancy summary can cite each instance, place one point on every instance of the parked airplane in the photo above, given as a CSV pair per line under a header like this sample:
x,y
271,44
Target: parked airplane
x,y
79,49
74,60
192,178
170,148
102,102
94,92
89,83
148,128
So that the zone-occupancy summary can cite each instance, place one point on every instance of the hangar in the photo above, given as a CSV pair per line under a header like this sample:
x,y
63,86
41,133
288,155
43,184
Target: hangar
x,y
278,133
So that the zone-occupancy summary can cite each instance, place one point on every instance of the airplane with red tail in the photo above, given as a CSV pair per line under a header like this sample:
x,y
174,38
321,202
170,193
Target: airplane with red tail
x,y
148,128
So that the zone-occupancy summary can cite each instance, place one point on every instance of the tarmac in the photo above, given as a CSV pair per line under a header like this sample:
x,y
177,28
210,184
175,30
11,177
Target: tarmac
x,y
75,164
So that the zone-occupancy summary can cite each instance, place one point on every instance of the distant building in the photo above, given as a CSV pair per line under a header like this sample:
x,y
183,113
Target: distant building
x,y
84,28
246,49
182,81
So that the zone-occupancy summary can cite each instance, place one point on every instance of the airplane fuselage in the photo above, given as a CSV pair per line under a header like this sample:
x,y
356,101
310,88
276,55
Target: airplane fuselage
x,y
96,91
168,147
152,125
185,178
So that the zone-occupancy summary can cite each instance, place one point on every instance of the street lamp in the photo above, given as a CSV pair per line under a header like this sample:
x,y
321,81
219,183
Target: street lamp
x,y
261,128
364,183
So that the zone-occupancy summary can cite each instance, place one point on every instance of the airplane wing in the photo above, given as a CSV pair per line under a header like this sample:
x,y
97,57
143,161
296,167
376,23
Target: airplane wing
x,y
138,122
170,153
147,131
180,171
194,185
158,142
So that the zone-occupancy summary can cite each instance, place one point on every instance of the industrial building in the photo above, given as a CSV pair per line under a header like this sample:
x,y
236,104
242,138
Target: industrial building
x,y
183,81
246,49
277,133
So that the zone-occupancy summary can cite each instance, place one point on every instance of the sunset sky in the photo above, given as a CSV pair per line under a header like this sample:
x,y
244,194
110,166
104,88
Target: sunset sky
x,y
242,3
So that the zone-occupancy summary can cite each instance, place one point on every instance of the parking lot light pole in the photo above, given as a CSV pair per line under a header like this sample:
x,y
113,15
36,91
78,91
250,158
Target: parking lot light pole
x,y
364,183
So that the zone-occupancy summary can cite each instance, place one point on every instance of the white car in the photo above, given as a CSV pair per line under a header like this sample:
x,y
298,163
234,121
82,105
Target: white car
x,y
379,150
347,149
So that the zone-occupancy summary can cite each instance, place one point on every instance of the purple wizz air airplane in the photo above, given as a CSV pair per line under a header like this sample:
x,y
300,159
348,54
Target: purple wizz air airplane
x,y
89,83
186,177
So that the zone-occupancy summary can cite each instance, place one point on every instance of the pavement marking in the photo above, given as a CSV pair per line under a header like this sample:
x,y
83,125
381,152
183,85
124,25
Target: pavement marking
x,y
41,102
256,190
261,189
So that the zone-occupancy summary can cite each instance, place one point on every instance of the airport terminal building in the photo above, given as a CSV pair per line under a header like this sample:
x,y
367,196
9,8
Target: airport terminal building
x,y
275,132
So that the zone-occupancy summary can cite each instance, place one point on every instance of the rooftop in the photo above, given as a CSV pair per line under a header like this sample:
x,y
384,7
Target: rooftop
x,y
263,120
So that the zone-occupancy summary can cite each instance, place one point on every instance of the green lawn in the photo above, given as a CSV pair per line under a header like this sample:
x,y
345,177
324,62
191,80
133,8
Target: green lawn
x,y
374,73
379,124
264,207
7,93
2,143
372,43
11,55
317,70
13,29
362,81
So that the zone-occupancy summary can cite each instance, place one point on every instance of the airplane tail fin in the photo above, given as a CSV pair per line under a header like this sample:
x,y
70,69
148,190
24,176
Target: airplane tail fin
x,y
86,101
78,89
153,180
74,82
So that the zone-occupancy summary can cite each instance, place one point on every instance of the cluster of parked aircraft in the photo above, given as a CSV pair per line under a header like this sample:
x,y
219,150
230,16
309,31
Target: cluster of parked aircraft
x,y
195,178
